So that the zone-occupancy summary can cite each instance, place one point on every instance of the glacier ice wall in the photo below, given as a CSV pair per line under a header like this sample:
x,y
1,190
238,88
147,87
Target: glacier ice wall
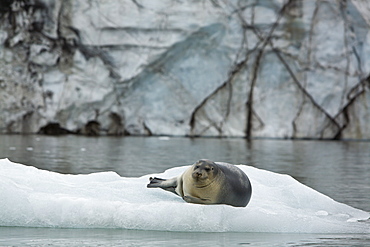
x,y
287,69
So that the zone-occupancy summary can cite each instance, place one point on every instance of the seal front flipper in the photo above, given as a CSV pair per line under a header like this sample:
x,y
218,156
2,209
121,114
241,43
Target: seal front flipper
x,y
166,184
196,200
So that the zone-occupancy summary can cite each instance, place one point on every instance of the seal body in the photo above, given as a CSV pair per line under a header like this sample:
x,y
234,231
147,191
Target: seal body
x,y
207,182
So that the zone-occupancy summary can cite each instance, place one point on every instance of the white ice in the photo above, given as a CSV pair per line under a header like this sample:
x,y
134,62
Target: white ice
x,y
31,197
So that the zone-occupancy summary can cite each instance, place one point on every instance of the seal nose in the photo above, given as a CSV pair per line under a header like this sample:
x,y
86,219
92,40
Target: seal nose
x,y
197,174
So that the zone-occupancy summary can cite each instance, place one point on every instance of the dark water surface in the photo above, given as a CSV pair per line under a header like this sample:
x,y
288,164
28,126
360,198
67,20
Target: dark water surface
x,y
340,170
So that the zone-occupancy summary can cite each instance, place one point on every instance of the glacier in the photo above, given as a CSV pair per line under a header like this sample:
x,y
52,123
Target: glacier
x,y
31,197
276,69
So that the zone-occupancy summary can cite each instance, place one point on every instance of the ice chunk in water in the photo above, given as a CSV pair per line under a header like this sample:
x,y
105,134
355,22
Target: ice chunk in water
x,y
31,197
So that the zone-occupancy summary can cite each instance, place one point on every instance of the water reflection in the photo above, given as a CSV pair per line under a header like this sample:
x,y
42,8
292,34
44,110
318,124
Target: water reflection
x,y
338,169
121,237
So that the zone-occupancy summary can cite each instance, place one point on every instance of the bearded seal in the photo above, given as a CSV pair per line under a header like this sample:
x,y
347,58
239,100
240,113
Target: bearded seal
x,y
207,182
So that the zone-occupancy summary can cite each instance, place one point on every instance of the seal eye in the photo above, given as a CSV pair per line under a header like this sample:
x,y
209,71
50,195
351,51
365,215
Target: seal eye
x,y
196,167
207,169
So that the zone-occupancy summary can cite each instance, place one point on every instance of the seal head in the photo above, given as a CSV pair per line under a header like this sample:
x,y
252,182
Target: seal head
x,y
204,173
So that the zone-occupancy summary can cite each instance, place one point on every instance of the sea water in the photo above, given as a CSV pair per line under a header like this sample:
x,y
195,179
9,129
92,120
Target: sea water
x,y
108,208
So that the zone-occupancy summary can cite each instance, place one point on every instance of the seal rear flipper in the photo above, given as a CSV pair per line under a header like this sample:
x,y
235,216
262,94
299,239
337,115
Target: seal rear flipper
x,y
153,182
166,184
